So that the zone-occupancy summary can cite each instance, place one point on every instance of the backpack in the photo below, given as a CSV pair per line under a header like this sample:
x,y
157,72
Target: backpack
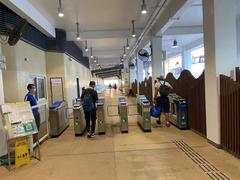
x,y
88,105
164,89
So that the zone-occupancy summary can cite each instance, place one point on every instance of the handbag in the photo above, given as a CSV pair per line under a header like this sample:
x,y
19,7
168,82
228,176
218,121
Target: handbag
x,y
155,111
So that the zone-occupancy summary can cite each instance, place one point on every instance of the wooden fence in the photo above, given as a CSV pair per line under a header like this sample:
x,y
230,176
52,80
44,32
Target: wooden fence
x,y
193,90
145,88
230,113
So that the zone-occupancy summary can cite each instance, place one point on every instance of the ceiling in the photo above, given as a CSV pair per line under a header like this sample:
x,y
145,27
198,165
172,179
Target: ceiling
x,y
98,16
191,20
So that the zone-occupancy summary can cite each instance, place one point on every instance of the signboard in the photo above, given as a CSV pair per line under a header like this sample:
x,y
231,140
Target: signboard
x,y
21,152
56,85
18,119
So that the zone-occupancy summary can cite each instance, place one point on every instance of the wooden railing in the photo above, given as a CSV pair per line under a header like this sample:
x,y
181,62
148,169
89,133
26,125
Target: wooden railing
x,y
193,90
145,88
230,113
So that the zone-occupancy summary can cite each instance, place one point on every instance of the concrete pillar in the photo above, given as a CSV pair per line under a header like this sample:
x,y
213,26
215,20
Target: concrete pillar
x,y
220,56
139,71
186,59
157,57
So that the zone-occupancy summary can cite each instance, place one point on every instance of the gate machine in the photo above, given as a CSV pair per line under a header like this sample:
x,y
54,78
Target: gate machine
x,y
144,118
101,115
178,109
78,118
123,113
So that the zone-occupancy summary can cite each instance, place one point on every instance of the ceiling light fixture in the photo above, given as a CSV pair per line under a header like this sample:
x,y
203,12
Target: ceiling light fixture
x,y
60,9
175,44
78,33
133,29
86,46
91,54
144,7
127,45
124,51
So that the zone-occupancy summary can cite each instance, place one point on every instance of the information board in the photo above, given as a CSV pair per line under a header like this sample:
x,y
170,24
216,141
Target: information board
x,y
18,119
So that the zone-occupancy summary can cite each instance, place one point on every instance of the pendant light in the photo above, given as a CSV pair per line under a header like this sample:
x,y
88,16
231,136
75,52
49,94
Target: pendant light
x,y
175,44
133,29
124,51
91,54
60,9
86,46
144,7
78,34
127,45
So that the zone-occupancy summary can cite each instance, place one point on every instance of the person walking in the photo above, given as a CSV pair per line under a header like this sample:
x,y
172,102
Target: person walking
x,y
89,98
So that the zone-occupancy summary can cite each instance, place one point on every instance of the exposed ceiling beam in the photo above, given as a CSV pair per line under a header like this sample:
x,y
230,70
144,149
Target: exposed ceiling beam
x,y
183,30
103,34
26,10
107,69
107,72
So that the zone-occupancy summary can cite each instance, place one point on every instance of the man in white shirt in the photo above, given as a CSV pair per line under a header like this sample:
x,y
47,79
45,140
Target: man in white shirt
x,y
160,81
162,100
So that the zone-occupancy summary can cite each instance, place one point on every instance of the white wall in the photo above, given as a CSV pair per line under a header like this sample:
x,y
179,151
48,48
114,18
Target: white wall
x,y
72,71
23,62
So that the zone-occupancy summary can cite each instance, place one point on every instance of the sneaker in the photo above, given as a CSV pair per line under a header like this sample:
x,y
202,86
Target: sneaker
x,y
88,134
92,135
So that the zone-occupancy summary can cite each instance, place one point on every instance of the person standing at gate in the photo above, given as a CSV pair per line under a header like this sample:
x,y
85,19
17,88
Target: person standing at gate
x,y
30,96
162,99
89,98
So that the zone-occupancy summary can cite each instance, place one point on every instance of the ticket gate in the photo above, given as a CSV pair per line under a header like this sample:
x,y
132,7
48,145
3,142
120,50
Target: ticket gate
x,y
123,114
139,100
178,110
78,119
144,118
101,115
58,118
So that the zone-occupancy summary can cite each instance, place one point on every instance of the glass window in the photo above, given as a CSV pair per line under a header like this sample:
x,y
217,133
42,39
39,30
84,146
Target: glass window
x,y
40,87
174,65
198,61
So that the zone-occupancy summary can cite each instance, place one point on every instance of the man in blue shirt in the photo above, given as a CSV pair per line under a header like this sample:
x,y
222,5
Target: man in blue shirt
x,y
33,102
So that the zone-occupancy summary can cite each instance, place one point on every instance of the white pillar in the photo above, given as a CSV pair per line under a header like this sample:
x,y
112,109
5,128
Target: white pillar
x,y
186,59
157,57
139,70
220,56
3,133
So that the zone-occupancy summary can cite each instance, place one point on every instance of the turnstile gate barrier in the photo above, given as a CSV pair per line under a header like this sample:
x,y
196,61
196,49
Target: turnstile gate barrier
x,y
123,114
78,119
178,109
101,115
144,118
58,118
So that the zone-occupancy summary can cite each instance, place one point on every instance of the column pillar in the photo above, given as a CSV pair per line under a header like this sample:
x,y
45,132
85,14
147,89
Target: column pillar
x,y
220,56
139,72
157,57
186,59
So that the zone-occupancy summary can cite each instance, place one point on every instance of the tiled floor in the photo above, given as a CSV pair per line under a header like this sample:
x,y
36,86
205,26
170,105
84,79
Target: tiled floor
x,y
132,156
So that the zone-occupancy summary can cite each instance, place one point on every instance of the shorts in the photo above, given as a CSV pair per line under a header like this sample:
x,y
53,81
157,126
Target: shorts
x,y
163,102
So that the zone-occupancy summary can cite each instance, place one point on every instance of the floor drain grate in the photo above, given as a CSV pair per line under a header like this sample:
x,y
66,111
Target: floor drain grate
x,y
207,167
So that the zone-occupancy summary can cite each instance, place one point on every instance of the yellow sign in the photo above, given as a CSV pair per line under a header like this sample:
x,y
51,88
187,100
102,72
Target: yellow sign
x,y
21,152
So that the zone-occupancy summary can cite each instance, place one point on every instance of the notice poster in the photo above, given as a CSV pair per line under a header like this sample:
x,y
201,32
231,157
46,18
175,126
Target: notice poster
x,y
18,119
